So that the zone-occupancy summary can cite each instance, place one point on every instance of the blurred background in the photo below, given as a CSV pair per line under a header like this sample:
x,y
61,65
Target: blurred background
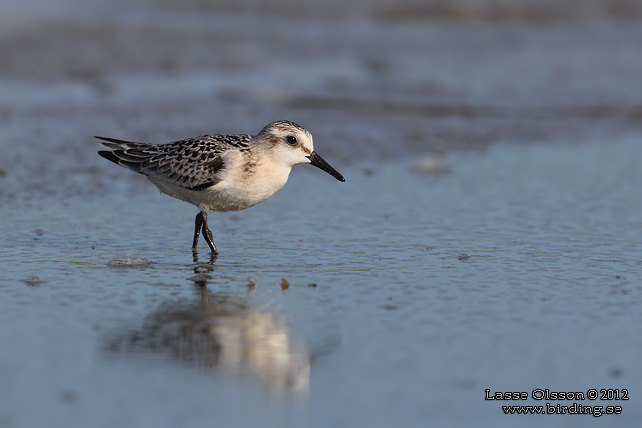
x,y
370,79
487,236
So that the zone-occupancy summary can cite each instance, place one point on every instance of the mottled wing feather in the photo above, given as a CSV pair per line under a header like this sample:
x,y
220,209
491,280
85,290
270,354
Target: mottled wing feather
x,y
192,163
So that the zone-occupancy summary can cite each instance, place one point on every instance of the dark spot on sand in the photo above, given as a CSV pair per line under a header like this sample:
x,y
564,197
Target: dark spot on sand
x,y
32,280
616,372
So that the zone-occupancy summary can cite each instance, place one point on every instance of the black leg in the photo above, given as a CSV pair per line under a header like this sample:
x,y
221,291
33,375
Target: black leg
x,y
197,231
207,234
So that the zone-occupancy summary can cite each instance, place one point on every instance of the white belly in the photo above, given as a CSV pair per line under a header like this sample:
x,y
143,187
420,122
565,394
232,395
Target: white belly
x,y
224,197
233,192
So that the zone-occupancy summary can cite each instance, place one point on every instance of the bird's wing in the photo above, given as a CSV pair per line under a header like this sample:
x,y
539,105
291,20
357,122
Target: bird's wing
x,y
193,163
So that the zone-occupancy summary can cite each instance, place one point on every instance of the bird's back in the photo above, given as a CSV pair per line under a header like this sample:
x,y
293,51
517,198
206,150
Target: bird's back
x,y
191,164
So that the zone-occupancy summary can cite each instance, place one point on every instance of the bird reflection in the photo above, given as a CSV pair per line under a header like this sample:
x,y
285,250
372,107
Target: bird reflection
x,y
202,270
223,331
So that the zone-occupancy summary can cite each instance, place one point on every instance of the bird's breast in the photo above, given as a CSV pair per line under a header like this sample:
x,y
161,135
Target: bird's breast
x,y
242,188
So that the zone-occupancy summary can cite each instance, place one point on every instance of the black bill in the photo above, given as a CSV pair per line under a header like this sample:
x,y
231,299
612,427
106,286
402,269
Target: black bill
x,y
318,161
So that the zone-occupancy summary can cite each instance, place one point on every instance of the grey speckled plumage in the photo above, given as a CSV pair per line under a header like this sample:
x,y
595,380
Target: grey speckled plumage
x,y
192,163
220,172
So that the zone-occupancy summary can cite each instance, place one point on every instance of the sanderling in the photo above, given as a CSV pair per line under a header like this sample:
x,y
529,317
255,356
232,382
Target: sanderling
x,y
220,172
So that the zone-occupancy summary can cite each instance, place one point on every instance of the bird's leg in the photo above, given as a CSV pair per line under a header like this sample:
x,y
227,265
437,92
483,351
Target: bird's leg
x,y
197,231
207,233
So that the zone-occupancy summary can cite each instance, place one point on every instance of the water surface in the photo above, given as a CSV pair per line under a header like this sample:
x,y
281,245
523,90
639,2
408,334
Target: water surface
x,y
408,295
487,235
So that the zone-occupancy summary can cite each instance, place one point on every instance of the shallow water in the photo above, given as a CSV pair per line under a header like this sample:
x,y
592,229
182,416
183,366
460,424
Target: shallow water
x,y
393,299
384,320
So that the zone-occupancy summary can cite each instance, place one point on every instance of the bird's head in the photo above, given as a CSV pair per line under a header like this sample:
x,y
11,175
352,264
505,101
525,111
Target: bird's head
x,y
292,144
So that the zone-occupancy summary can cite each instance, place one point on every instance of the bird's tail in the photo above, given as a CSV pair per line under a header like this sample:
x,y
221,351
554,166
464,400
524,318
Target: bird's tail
x,y
125,153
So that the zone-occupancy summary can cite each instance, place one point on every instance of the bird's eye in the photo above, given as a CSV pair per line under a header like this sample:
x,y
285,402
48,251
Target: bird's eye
x,y
291,139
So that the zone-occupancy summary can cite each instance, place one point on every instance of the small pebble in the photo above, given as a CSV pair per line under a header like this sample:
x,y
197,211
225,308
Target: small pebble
x,y
68,396
616,372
